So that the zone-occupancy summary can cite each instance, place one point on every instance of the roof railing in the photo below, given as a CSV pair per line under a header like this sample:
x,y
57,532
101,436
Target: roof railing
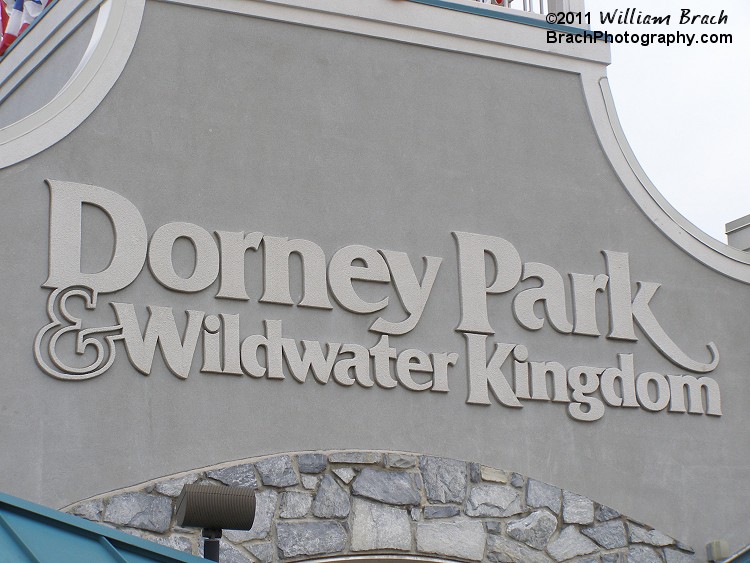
x,y
561,15
540,7
18,19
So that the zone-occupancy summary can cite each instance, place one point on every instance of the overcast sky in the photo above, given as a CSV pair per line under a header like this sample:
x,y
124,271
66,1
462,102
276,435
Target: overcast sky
x,y
686,110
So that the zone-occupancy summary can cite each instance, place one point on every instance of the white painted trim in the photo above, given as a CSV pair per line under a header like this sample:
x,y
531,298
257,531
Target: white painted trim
x,y
96,37
395,20
716,255
388,19
83,93
43,39
419,24
737,224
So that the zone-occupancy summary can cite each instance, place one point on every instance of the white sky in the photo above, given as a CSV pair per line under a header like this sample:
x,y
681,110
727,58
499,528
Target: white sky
x,y
686,110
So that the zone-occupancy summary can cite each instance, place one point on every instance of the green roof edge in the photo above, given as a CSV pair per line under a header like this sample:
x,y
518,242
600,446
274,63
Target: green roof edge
x,y
85,527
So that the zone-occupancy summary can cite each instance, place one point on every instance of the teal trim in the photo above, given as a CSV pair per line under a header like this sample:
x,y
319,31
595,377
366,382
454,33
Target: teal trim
x,y
742,556
20,544
109,548
36,534
505,15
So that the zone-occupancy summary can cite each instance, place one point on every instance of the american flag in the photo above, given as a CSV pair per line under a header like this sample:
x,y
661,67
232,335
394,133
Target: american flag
x,y
17,15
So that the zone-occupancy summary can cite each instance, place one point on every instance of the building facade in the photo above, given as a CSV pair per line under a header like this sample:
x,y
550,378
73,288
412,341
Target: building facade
x,y
392,263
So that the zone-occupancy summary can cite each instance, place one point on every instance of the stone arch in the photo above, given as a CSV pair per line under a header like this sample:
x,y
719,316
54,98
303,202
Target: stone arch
x,y
367,506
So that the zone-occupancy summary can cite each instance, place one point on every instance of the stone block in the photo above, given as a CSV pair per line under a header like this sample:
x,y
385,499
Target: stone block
x,y
610,535
331,501
265,508
277,471
493,500
312,463
504,550
605,513
173,487
516,479
295,504
310,538
577,509
539,494
535,530
570,543
463,539
140,510
643,554
364,458
441,511
91,510
493,527
239,536
400,461
493,475
444,479
263,552
310,482
346,474
391,487
237,476
651,537
377,526
475,472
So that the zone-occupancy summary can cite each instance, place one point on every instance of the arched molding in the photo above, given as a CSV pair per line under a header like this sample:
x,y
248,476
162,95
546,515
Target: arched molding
x,y
120,21
393,507
716,255
112,42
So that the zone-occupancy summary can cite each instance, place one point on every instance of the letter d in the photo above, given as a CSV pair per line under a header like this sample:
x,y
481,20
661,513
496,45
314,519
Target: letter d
x,y
129,253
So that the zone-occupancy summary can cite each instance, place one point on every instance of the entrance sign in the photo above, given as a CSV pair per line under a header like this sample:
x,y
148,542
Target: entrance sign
x,y
510,373
381,236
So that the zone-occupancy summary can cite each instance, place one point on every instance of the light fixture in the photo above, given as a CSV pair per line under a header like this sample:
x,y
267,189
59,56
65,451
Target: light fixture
x,y
215,508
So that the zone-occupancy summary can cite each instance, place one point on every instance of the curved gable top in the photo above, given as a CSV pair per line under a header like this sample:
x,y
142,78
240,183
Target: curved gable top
x,y
714,254
512,38
347,132
114,36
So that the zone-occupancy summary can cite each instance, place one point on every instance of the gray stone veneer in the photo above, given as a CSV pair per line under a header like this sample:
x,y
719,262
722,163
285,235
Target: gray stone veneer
x,y
352,502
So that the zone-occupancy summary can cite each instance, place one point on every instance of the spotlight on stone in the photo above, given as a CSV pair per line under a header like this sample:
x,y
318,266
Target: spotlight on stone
x,y
215,508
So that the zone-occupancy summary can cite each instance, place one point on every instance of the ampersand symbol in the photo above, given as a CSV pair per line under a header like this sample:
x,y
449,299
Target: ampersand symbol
x,y
63,322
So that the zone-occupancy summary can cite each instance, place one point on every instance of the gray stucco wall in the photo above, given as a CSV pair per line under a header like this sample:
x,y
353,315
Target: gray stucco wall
x,y
343,139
